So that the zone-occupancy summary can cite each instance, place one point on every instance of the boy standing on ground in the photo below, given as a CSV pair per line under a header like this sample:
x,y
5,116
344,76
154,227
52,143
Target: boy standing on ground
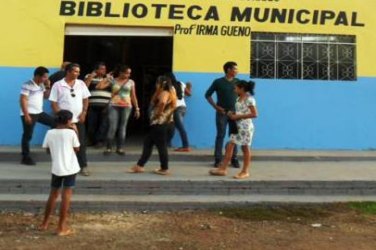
x,y
62,143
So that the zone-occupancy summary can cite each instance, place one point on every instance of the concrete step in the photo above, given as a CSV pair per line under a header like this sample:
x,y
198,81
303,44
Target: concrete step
x,y
196,187
114,203
109,188
132,155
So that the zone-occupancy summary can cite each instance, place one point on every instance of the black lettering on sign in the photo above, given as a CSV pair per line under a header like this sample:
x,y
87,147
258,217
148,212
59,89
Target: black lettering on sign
x,y
81,7
176,12
140,10
108,11
68,8
158,9
196,12
94,9
301,16
192,12
241,16
212,14
354,20
327,15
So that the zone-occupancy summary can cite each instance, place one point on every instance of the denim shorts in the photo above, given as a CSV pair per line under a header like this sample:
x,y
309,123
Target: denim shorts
x,y
67,181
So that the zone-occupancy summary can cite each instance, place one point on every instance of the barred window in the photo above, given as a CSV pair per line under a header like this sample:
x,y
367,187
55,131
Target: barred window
x,y
303,56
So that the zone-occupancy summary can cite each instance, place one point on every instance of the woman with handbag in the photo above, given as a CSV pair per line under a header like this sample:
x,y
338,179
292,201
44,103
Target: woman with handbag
x,y
123,100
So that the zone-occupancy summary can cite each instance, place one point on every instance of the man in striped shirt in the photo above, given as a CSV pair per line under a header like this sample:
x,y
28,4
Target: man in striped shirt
x,y
98,105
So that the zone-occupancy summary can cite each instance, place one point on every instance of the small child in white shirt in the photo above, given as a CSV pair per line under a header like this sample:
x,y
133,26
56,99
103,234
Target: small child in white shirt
x,y
62,143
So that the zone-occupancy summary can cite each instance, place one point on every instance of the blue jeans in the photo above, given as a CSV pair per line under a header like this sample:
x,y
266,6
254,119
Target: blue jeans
x,y
179,124
222,124
118,121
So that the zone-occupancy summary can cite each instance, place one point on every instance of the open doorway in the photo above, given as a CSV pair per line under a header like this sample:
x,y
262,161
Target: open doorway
x,y
148,56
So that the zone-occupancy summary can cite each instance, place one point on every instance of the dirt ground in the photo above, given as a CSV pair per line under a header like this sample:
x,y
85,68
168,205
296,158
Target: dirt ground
x,y
330,227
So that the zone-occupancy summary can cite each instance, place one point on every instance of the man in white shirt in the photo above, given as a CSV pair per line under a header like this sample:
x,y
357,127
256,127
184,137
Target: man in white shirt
x,y
32,95
72,94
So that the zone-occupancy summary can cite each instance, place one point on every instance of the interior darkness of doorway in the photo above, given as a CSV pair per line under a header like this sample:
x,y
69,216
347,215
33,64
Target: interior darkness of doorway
x,y
147,56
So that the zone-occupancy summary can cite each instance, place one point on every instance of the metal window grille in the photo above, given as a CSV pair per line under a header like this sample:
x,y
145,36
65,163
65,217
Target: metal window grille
x,y
303,56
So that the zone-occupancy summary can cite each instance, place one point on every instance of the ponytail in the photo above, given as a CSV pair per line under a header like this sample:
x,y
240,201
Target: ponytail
x,y
247,86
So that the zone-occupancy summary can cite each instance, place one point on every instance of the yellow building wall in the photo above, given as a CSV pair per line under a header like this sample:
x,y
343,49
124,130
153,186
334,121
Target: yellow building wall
x,y
33,31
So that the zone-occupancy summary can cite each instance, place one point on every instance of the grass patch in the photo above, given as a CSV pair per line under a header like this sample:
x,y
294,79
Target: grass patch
x,y
364,207
277,213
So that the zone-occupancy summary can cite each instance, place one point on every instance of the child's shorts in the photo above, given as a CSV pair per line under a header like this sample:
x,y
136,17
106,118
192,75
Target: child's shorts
x,y
67,181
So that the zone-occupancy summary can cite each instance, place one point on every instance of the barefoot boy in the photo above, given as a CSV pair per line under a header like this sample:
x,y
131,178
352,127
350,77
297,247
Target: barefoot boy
x,y
62,143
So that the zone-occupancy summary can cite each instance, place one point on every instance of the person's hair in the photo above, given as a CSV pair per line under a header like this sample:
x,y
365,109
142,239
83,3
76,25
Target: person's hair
x,y
164,84
98,65
120,68
71,66
40,71
228,66
247,86
64,64
63,116
176,84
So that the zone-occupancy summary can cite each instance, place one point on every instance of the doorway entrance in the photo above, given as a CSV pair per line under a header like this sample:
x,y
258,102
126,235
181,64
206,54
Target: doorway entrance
x,y
148,54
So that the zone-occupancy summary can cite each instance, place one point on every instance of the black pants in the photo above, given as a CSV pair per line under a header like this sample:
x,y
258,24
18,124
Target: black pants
x,y
28,129
97,123
157,136
81,155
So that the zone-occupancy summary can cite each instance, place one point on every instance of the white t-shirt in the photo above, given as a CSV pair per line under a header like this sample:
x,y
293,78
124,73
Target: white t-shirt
x,y
35,97
61,143
70,98
181,103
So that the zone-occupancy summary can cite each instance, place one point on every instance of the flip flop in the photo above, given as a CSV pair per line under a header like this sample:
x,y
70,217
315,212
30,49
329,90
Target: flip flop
x,y
66,233
217,172
241,176
136,170
161,172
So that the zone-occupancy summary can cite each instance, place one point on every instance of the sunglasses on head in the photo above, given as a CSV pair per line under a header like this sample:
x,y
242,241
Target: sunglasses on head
x,y
72,92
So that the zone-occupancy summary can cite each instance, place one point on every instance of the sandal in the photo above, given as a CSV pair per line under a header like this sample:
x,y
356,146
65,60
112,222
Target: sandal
x,y
66,232
218,172
136,170
241,176
161,172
